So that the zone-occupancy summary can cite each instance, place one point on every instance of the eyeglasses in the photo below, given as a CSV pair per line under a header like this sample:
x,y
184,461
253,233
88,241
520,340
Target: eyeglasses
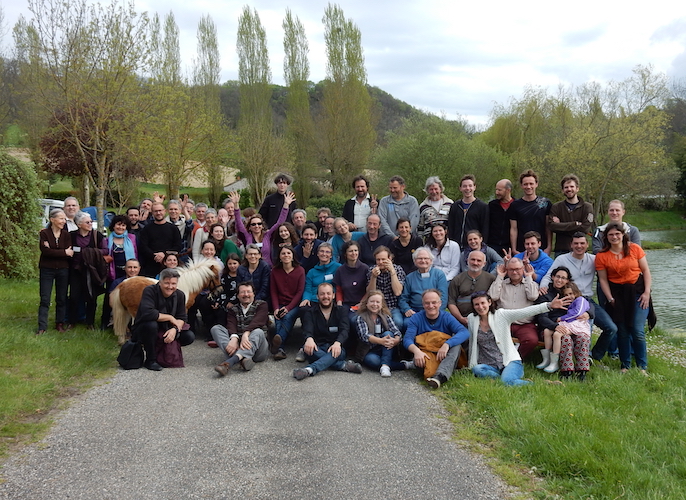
x,y
87,222
255,224
561,278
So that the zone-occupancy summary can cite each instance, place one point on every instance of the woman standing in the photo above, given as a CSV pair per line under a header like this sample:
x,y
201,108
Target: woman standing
x,y
625,279
435,207
404,245
121,247
82,291
285,235
257,233
446,252
53,266
287,284
492,354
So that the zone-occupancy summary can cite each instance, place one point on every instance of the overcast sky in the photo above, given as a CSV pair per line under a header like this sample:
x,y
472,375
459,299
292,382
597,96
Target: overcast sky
x,y
452,57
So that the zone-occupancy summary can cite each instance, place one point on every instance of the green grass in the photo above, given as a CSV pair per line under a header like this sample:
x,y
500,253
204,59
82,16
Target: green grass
x,y
38,371
656,220
656,245
614,436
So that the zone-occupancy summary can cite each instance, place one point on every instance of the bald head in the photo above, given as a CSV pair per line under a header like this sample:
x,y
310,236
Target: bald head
x,y
476,261
503,190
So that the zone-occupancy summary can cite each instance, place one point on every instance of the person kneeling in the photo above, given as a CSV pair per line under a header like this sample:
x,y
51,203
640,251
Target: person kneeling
x,y
243,338
326,328
434,336
160,322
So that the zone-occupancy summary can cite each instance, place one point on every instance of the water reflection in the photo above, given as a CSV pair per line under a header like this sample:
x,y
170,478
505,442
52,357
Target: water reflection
x,y
667,268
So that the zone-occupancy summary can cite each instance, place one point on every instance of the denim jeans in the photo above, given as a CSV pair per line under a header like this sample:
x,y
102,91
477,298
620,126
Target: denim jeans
x,y
608,331
379,355
285,324
632,336
61,279
398,318
321,359
510,375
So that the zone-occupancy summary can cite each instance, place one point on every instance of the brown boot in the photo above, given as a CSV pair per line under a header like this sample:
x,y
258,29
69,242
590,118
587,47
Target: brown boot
x,y
223,369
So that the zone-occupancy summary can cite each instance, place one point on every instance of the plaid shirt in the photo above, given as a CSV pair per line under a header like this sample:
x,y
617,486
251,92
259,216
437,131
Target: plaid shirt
x,y
383,284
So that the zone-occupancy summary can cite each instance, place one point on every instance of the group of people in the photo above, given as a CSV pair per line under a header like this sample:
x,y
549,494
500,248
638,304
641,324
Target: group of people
x,y
390,279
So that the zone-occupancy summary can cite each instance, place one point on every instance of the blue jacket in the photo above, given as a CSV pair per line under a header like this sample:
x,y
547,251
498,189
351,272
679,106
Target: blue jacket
x,y
317,275
540,265
260,278
411,298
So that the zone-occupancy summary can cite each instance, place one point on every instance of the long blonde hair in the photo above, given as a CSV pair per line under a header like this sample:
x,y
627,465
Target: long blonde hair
x,y
364,313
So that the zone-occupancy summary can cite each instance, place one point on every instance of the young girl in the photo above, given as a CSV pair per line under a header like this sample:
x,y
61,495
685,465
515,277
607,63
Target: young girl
x,y
571,331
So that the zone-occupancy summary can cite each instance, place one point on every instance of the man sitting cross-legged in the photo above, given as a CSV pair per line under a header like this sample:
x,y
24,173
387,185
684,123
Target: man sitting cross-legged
x,y
326,328
434,336
244,338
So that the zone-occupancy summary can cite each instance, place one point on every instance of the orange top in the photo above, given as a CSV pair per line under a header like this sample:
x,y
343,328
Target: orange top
x,y
620,269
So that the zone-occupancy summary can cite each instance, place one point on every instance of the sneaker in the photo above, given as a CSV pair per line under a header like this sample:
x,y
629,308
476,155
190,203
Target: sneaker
x,y
223,369
385,371
352,367
247,364
300,374
276,343
281,354
436,381
300,357
409,365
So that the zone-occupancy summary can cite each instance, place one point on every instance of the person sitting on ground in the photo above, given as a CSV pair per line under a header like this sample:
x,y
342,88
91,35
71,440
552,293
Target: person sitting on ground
x,y
492,353
379,336
434,338
244,338
461,288
514,288
326,329
417,282
445,251
286,285
533,255
160,320
476,242
572,329
389,279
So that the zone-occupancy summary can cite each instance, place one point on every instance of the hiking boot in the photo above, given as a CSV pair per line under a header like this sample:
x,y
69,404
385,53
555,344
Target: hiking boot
x,y
300,374
352,367
436,381
247,364
223,369
281,354
300,357
276,343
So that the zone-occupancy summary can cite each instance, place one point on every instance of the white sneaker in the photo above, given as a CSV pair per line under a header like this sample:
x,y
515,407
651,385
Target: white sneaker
x,y
409,365
385,371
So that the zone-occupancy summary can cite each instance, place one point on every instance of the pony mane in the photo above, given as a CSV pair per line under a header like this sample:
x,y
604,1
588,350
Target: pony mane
x,y
195,276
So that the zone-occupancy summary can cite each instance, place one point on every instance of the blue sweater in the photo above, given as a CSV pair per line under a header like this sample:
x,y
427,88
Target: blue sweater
x,y
415,285
540,265
446,323
317,275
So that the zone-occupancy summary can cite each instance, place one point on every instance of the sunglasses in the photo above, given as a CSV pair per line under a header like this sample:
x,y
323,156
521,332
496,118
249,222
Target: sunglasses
x,y
255,223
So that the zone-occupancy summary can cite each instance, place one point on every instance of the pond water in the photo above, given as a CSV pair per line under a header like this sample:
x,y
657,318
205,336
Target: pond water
x,y
669,279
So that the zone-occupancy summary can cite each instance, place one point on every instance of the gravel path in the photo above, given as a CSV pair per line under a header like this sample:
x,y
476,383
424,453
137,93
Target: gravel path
x,y
185,433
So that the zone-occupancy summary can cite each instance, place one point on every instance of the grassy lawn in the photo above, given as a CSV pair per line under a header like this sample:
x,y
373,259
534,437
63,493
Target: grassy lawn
x,y
614,436
37,372
656,220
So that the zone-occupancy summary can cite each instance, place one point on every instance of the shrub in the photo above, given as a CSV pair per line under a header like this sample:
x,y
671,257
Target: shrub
x,y
19,218
333,201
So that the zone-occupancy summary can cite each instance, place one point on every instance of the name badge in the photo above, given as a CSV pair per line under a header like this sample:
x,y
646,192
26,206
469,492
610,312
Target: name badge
x,y
443,212
258,245
328,277
333,329
425,275
377,328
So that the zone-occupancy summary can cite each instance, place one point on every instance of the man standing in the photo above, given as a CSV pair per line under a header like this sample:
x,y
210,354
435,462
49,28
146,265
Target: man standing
x,y
498,218
299,219
244,337
372,240
533,255
322,214
162,309
529,213
467,213
184,226
462,286
145,210
397,205
582,266
570,215
272,204
434,338
358,208
435,208
616,211
200,211
326,327
328,231
514,288
156,239
71,208
133,213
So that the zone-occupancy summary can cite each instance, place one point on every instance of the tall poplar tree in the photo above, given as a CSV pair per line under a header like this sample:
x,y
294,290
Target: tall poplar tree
x,y
299,125
345,125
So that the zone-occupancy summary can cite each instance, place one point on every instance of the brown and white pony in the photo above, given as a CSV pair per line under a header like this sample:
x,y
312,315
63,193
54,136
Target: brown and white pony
x,y
194,277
